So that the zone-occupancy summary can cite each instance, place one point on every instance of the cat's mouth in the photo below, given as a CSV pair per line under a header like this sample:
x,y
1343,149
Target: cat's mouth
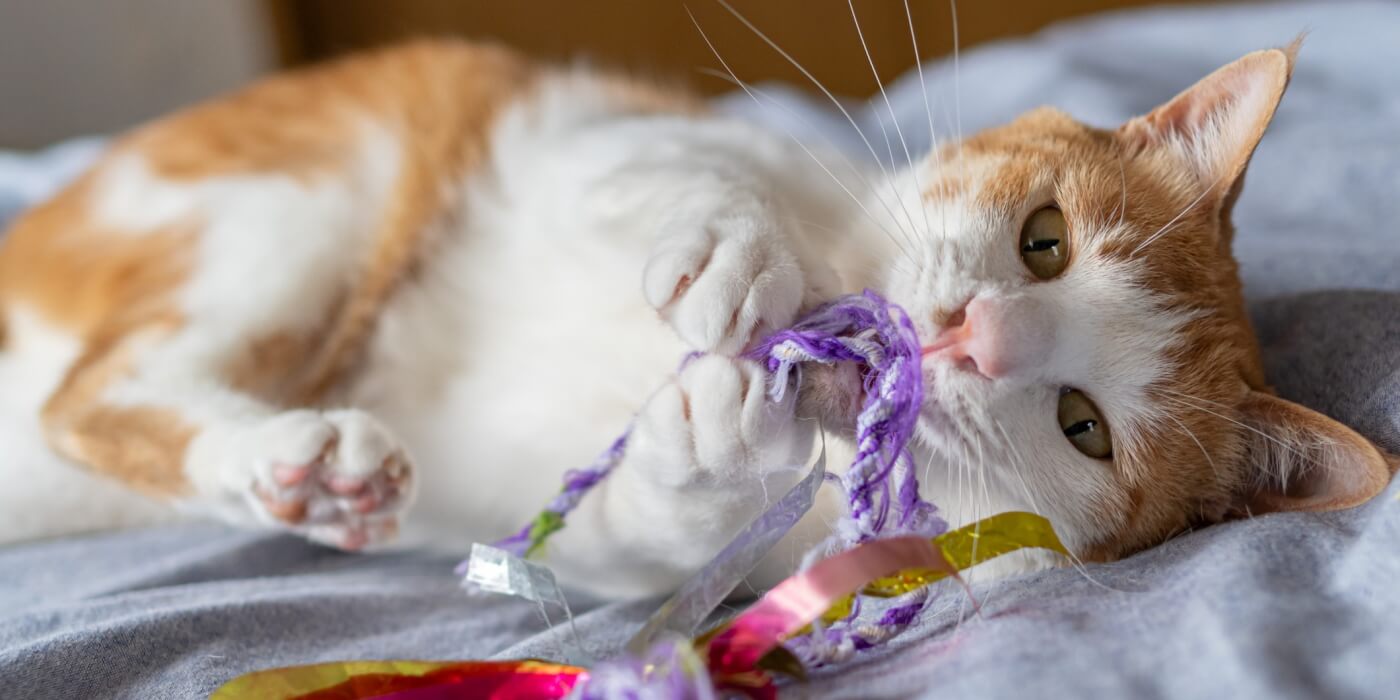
x,y
832,394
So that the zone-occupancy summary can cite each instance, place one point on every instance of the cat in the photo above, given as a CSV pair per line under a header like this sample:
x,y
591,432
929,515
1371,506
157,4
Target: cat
x,y
394,297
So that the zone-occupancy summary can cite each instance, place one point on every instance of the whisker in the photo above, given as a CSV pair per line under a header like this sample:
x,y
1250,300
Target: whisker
x,y
928,467
1182,400
873,270
908,159
1162,231
1196,440
928,110
808,74
1123,189
753,94
1282,470
980,513
957,88
1017,465
977,523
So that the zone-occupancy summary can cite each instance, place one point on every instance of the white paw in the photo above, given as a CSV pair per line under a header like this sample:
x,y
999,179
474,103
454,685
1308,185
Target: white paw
x,y
337,477
715,425
724,284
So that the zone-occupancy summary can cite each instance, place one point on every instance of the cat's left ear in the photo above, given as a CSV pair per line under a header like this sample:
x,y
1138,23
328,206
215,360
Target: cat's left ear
x,y
1215,124
1301,460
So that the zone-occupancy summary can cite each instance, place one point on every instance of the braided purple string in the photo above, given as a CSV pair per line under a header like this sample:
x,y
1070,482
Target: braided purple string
x,y
669,670
577,482
877,334
881,486
861,328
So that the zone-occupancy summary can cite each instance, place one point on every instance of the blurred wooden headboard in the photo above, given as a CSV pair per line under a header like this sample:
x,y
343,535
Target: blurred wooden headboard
x,y
657,36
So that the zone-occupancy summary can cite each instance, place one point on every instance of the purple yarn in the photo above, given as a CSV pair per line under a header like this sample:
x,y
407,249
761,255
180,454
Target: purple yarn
x,y
670,670
577,482
861,328
901,615
877,334
881,485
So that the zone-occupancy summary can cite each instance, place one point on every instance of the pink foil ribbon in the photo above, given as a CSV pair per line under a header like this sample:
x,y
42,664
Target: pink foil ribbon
x,y
732,655
799,600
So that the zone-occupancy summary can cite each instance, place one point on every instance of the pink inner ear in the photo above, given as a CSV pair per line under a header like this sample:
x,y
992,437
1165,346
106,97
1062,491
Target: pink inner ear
x,y
1188,115
1328,466
1320,488
1217,122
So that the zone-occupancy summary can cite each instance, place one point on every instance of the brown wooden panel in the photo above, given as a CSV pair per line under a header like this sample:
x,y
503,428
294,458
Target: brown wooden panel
x,y
657,36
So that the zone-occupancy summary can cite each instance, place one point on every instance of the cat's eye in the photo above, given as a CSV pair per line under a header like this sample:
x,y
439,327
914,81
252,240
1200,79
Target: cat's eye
x,y
1083,425
1045,243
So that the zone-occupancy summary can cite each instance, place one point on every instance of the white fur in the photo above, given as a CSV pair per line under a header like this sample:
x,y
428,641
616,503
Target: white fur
x,y
532,335
44,495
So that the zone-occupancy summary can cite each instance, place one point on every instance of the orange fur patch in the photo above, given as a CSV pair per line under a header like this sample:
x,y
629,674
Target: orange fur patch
x,y
140,445
439,99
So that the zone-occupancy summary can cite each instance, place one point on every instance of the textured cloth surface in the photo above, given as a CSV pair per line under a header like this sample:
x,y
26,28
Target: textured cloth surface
x,y
1285,605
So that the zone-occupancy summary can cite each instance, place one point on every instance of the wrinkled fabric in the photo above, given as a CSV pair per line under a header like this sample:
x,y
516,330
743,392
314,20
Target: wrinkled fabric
x,y
1293,605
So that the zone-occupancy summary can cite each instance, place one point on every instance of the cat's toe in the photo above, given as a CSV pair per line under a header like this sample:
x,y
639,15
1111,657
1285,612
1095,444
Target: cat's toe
x,y
725,286
735,430
339,479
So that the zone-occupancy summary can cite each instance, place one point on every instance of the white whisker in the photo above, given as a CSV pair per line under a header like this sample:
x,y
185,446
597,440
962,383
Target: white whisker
x,y
957,89
1017,465
753,94
908,159
1163,231
1196,440
1123,189
1182,400
928,110
808,74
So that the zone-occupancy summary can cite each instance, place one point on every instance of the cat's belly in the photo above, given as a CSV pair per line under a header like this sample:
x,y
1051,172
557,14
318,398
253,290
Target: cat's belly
x,y
505,365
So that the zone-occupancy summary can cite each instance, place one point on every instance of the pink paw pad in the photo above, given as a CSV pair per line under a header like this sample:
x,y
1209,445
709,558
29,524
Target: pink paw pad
x,y
348,496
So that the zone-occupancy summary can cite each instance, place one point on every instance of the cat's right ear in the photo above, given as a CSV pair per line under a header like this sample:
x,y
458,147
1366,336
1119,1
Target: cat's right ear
x,y
1301,460
1213,127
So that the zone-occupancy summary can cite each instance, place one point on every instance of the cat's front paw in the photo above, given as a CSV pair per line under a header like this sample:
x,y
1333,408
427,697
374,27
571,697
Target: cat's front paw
x,y
337,477
725,283
716,425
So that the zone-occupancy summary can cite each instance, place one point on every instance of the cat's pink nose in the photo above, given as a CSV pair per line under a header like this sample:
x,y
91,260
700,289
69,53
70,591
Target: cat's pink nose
x,y
994,337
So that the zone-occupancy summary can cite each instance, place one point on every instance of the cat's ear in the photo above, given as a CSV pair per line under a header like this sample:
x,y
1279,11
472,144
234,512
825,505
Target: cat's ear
x,y
1215,124
1302,460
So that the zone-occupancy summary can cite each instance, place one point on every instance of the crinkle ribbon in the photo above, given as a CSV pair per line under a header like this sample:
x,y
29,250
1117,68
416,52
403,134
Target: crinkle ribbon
x,y
735,658
894,545
881,482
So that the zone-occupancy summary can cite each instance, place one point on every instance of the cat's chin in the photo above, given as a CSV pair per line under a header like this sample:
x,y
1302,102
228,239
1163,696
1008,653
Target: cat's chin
x,y
833,395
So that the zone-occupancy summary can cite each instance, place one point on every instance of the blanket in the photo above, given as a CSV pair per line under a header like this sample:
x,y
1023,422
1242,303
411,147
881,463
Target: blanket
x,y
1288,605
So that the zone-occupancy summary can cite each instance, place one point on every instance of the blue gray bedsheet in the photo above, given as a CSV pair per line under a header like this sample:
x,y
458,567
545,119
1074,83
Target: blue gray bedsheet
x,y
1285,605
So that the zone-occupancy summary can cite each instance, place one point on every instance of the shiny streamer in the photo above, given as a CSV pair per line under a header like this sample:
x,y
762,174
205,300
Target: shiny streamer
x,y
798,601
684,612
731,657
494,570
408,680
887,567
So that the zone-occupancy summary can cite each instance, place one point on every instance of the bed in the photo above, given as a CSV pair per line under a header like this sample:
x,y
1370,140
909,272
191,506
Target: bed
x,y
1303,605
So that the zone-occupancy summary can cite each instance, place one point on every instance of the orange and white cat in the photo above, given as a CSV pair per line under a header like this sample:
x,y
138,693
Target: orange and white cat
x,y
403,292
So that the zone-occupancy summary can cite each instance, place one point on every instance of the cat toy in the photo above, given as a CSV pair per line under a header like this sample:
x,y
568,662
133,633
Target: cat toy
x,y
888,547
881,482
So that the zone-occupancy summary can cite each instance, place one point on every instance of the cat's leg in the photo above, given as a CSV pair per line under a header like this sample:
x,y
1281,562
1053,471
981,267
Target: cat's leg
x,y
154,407
729,278
710,449
708,452
43,495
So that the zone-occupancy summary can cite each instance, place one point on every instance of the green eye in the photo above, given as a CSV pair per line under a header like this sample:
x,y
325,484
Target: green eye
x,y
1045,243
1083,425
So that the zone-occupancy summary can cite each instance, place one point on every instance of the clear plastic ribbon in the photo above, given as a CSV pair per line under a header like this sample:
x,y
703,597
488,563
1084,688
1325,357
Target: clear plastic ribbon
x,y
684,612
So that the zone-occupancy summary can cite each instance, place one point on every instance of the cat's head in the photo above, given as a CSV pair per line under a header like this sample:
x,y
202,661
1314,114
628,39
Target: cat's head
x,y
1088,354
